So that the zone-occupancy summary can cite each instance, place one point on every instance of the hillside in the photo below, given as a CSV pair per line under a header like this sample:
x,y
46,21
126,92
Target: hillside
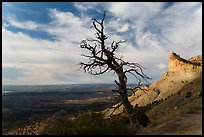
x,y
175,100
181,72
173,105
182,110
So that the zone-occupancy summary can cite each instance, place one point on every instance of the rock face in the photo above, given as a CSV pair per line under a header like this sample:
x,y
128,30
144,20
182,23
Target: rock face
x,y
180,73
185,67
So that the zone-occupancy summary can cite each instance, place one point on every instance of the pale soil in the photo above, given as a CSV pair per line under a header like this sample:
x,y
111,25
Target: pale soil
x,y
177,122
178,115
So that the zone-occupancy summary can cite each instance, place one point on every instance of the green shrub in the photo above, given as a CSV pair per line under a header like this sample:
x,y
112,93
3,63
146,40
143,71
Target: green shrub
x,y
87,124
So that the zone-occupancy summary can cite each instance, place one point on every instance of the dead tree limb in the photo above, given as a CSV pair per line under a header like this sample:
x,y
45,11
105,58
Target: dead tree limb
x,y
102,59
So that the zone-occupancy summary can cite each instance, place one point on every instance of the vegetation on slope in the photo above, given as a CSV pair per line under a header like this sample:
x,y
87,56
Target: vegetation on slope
x,y
87,124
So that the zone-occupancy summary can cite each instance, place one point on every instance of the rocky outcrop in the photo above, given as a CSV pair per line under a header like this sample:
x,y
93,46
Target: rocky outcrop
x,y
187,68
180,73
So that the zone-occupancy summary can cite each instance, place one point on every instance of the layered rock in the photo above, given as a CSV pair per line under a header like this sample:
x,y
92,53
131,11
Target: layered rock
x,y
181,72
187,68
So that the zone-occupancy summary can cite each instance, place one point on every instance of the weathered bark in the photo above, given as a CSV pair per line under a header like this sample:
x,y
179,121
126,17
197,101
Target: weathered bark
x,y
124,98
129,110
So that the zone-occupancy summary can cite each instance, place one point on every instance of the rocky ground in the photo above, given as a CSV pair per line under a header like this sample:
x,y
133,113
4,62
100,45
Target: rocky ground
x,y
179,114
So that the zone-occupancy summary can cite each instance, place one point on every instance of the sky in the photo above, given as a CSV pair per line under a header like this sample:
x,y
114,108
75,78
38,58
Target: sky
x,y
41,40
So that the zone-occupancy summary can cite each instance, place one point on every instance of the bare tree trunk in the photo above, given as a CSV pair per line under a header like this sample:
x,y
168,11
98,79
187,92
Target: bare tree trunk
x,y
126,103
129,110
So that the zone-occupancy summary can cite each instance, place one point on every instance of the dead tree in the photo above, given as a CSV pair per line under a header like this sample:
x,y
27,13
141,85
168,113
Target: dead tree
x,y
102,59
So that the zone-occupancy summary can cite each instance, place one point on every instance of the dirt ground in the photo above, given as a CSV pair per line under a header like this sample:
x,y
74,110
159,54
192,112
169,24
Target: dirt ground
x,y
181,114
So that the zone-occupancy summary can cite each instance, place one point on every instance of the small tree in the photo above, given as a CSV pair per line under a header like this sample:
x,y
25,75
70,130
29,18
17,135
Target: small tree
x,y
103,59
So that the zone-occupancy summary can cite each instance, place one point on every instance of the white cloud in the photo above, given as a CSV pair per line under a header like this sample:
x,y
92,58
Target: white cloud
x,y
44,58
30,25
41,59
152,34
124,28
135,10
84,6
4,24
162,66
178,29
67,27
147,40
181,28
64,18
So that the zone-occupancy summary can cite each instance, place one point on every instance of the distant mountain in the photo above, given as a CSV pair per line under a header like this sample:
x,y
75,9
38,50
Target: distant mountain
x,y
59,88
67,87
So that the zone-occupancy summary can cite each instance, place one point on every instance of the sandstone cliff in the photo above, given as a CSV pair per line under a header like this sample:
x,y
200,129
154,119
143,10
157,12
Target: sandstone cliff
x,y
181,72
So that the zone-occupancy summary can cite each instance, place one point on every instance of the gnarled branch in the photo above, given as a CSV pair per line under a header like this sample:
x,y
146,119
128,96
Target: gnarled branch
x,y
102,59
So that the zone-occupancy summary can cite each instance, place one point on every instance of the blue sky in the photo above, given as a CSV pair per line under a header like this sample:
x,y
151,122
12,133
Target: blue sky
x,y
40,40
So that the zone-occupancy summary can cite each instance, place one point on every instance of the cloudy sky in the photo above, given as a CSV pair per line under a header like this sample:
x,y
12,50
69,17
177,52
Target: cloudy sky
x,y
40,41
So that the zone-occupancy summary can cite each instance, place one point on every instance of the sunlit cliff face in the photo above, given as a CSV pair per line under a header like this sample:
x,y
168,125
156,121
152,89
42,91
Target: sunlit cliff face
x,y
186,68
